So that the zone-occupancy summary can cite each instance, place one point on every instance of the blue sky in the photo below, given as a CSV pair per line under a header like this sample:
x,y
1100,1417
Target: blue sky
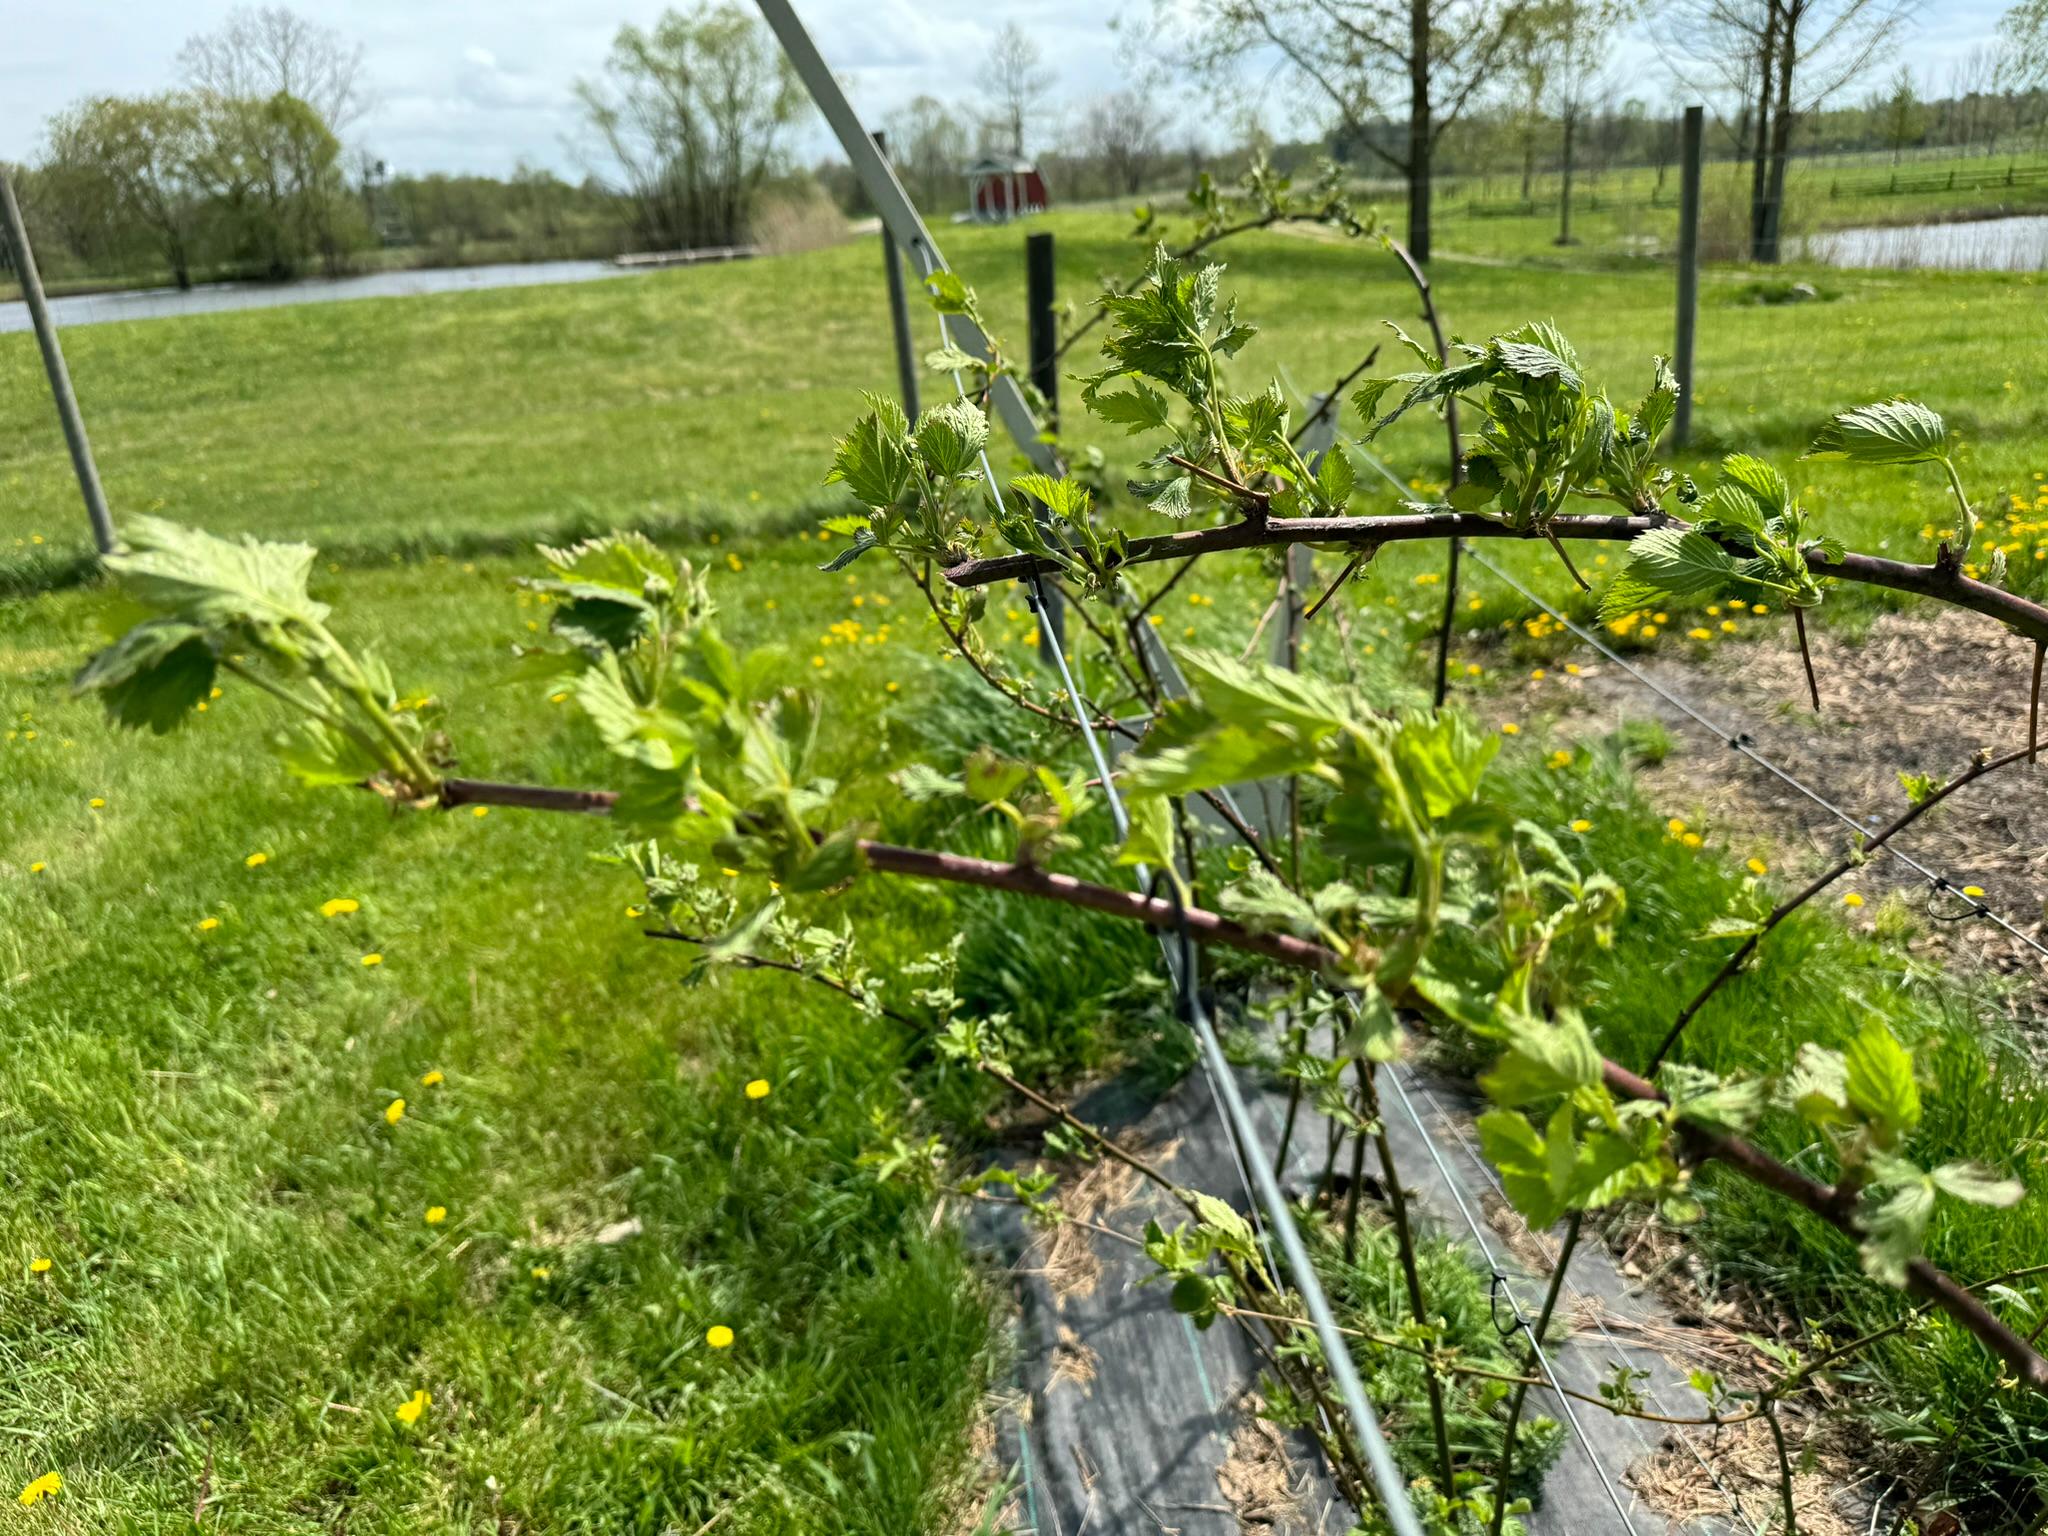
x,y
477,85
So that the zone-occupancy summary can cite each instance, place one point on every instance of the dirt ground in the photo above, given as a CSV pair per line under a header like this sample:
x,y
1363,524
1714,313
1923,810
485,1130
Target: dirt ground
x,y
1914,694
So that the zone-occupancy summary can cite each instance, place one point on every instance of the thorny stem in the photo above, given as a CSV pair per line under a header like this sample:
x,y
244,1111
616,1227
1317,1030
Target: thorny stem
x,y
1540,1327
1869,845
1806,656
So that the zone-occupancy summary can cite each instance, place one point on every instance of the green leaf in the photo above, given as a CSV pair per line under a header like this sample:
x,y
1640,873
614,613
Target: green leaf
x,y
1879,1082
152,676
321,757
1542,1060
950,437
1526,1163
1895,1230
1144,409
654,738
1266,904
863,540
1889,432
1667,562
1764,484
628,563
741,937
1375,1031
874,458
1817,1086
1150,838
1066,498
1336,478
949,295
989,776
212,581
1978,1185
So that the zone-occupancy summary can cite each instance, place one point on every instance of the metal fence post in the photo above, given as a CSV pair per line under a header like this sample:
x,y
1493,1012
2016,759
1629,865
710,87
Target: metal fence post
x,y
1041,323
1690,143
53,364
899,309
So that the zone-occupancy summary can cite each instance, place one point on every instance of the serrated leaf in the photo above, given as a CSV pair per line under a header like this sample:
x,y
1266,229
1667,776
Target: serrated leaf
x,y
863,540
1667,562
1064,497
1895,1230
1879,1082
1336,478
653,738
950,437
988,776
1978,1185
1763,483
1542,1060
1169,498
152,676
321,757
1888,432
210,581
873,460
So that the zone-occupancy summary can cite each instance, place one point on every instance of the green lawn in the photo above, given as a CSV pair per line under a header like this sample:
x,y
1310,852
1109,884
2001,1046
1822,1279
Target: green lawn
x,y
195,1118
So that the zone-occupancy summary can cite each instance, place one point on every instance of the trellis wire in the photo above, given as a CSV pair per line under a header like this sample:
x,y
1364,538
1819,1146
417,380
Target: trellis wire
x,y
1739,742
1250,1155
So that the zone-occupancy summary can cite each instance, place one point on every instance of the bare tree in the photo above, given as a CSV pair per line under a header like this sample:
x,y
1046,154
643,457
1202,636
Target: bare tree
x,y
1365,59
692,111
928,145
1899,113
260,52
1125,135
1016,82
1779,60
1578,36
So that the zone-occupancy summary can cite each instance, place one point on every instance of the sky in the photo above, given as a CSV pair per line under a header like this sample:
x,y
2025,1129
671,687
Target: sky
x,y
480,85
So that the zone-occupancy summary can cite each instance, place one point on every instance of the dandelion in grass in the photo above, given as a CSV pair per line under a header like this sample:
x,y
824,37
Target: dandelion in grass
x,y
1560,758
479,811
891,687
1757,867
540,1272
41,1489
730,874
1571,669
758,1088
1582,825
720,1337
1691,840
1852,899
1973,891
38,867
340,906
394,1112
432,1080
635,911
208,924
436,1214
409,1411
372,960
39,1266
1538,675
256,861
1509,728
1699,634
96,804
1675,827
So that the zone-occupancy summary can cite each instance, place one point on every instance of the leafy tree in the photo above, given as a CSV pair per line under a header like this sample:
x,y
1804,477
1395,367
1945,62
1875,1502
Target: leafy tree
x,y
928,145
1901,112
146,148
692,111
273,170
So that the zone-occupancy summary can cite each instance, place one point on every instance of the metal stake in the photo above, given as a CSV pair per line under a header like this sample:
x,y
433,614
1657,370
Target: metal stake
x,y
899,310
53,364
1688,267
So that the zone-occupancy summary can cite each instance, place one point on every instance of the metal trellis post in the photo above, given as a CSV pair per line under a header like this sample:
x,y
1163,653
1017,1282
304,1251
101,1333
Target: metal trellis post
x,y
53,364
899,312
1690,148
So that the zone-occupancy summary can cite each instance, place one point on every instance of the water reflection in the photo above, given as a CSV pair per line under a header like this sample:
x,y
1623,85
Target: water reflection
x,y
2018,244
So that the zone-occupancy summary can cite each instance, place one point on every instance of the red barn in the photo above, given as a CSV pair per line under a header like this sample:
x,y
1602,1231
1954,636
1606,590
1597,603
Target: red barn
x,y
1000,188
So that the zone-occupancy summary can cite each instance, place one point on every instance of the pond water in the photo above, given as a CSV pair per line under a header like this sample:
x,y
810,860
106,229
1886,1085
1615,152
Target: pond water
x,y
2017,244
210,298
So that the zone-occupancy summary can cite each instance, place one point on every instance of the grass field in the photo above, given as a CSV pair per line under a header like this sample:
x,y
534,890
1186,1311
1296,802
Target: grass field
x,y
241,1272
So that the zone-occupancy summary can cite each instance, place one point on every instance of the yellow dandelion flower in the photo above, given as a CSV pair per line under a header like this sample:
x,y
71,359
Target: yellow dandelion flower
x,y
635,911
409,1411
41,1489
1973,890
1675,827
256,861
432,1080
1649,631
1538,675
96,803
1852,899
39,1266
38,867
1713,610
208,924
1472,669
369,960
891,687
340,906
394,1112
1691,839
720,1337
1509,728
1757,867
1154,620
758,1088
1571,669
1758,608
1560,758
436,1214
817,661
558,698
1582,825
730,874
1727,626
479,811
540,1271
1699,634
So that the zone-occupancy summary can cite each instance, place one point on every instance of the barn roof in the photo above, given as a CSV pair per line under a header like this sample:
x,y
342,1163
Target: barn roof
x,y
1001,165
